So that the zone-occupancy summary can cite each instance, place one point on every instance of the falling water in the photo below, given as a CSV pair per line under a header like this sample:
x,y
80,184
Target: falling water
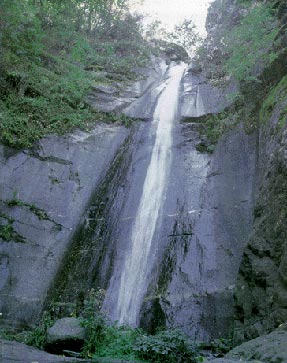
x,y
137,261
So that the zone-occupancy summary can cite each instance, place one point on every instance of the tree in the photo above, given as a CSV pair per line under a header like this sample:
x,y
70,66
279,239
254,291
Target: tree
x,y
185,34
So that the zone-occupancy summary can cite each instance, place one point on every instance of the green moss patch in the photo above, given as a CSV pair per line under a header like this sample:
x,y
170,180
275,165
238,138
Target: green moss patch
x,y
276,97
7,231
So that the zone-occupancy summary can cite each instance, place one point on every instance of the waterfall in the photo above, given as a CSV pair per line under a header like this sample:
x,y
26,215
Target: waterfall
x,y
137,262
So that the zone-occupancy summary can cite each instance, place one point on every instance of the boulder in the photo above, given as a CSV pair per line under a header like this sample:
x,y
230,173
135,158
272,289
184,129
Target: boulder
x,y
226,360
65,334
269,348
14,352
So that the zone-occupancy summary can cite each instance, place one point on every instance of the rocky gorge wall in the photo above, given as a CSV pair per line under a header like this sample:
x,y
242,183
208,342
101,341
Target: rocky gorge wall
x,y
221,248
216,208
44,195
260,292
48,196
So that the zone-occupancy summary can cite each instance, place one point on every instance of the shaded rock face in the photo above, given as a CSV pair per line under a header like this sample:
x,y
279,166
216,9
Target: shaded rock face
x,y
44,194
260,299
260,293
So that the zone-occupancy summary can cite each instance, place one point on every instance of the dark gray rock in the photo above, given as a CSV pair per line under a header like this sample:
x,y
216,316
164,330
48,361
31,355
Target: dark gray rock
x,y
226,360
260,295
65,334
14,352
218,192
270,348
229,360
53,186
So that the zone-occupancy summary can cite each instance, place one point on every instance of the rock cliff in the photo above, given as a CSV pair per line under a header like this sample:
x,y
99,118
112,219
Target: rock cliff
x,y
260,293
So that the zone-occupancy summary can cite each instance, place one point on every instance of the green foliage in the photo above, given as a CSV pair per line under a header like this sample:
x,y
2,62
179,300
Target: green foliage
x,y
251,43
104,339
213,126
51,53
166,346
37,337
277,96
185,34
7,233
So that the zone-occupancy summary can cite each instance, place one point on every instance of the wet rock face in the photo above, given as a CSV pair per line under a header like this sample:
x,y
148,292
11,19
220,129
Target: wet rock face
x,y
43,195
260,299
209,237
121,96
260,293
200,97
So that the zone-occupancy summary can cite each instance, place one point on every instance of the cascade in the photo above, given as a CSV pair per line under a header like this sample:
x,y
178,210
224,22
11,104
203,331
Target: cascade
x,y
137,260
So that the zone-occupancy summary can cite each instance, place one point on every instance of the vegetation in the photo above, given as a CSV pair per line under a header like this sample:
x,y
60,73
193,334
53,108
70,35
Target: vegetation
x,y
7,232
41,214
185,35
51,54
166,346
106,340
251,44
277,96
244,53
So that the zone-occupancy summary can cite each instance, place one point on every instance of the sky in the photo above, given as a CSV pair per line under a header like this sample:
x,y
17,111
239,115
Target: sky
x,y
171,12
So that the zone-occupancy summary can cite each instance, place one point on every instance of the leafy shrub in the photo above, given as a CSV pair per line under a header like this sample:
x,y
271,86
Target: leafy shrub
x,y
105,339
251,43
37,337
49,54
167,346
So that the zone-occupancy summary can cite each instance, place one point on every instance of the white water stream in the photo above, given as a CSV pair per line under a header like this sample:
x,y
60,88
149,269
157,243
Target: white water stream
x,y
136,268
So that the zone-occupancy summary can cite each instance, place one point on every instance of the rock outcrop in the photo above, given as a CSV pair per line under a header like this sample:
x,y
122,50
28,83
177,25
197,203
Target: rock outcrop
x,y
260,299
260,292
44,194
65,334
270,348
14,352
121,96
213,222
49,195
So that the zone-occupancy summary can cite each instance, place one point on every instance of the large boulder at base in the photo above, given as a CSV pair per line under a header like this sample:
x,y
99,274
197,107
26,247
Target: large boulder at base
x,y
226,360
65,334
271,348
14,352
